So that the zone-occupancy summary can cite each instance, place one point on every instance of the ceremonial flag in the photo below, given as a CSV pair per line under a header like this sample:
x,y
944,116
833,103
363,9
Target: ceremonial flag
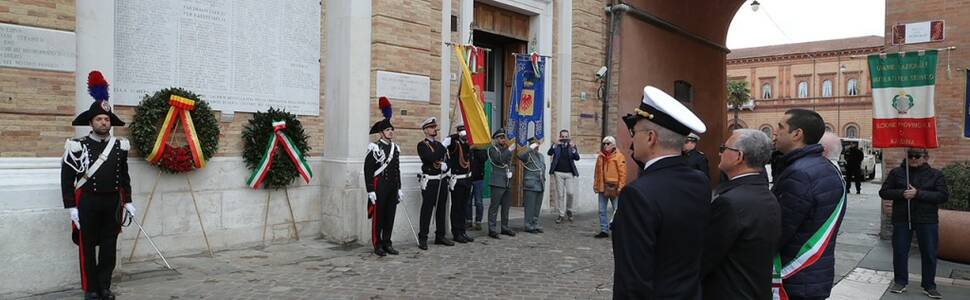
x,y
472,110
525,117
477,64
903,86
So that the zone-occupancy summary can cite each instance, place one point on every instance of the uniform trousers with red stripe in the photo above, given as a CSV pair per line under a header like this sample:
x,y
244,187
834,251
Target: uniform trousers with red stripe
x,y
383,220
100,218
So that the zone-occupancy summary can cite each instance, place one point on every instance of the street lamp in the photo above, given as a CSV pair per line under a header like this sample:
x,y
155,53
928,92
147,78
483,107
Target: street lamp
x,y
755,5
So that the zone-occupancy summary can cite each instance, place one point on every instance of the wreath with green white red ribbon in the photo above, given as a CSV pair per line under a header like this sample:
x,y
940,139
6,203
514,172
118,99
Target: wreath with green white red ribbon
x,y
274,148
167,114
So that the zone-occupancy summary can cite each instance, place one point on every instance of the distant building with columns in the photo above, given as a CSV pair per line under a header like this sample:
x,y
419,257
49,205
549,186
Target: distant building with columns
x,y
823,76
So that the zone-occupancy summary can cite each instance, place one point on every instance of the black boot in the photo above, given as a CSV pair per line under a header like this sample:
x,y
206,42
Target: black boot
x,y
458,238
379,251
106,294
390,249
91,296
423,244
467,238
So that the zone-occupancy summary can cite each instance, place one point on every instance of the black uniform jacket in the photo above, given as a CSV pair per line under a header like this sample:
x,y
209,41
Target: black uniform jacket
x,y
111,177
658,233
741,239
430,153
390,177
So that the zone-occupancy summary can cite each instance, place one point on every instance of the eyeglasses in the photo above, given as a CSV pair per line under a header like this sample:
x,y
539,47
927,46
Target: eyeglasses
x,y
723,147
915,156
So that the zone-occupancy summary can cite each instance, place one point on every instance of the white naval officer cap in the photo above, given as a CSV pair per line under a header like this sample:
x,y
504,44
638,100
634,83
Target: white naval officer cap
x,y
429,122
662,109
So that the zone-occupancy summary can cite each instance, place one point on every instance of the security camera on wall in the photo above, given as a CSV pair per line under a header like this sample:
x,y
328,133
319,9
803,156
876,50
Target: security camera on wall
x,y
601,72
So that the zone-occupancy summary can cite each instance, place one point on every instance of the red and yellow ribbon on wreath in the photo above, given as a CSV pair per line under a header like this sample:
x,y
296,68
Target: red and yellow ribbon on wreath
x,y
180,109
280,139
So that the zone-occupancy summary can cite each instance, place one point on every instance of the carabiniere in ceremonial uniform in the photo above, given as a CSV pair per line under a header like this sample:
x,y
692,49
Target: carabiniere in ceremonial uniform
x,y
382,178
96,189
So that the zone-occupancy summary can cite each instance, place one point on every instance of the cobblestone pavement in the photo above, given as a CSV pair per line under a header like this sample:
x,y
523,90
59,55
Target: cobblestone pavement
x,y
565,262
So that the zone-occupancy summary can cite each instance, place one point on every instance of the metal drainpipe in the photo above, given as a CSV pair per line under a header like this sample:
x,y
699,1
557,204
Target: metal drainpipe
x,y
615,11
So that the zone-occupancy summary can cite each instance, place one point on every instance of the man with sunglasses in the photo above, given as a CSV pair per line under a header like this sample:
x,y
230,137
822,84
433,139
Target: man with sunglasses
x,y
915,205
811,193
658,228
742,235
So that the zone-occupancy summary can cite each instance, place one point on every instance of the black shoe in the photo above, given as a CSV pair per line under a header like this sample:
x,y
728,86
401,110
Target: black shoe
x,y
443,241
390,249
106,294
508,232
423,244
467,238
91,296
858,192
493,235
559,220
539,230
533,231
477,227
602,235
896,288
380,251
458,238
932,293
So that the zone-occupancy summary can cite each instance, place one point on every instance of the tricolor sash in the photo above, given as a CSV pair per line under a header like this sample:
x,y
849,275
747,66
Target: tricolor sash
x,y
279,138
808,254
180,109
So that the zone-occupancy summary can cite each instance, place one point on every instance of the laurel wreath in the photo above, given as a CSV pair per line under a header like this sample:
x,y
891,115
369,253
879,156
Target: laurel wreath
x,y
149,115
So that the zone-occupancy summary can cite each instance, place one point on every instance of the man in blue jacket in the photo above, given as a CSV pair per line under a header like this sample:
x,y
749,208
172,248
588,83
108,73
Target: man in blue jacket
x,y
564,157
811,193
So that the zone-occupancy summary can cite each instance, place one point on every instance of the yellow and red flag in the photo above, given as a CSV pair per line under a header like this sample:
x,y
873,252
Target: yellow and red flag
x,y
472,109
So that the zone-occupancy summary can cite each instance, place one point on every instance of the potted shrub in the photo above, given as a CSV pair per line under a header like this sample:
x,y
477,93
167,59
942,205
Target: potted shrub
x,y
955,214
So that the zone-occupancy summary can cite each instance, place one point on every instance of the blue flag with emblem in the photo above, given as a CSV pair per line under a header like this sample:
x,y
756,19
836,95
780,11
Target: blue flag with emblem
x,y
526,105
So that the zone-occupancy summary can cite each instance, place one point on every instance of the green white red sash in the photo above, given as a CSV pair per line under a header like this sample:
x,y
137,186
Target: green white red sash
x,y
279,138
808,254
180,109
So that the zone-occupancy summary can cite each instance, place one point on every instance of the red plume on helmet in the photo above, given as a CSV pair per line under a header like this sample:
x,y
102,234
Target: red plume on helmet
x,y
385,106
98,89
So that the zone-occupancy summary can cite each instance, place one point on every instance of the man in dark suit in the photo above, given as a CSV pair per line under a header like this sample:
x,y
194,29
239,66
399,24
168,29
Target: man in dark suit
x,y
745,224
658,229
853,168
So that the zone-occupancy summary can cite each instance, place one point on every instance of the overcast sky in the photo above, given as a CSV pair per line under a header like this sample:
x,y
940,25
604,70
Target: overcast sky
x,y
805,21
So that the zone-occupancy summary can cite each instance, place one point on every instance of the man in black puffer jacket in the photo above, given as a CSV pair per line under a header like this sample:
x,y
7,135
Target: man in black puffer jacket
x,y
811,193
925,191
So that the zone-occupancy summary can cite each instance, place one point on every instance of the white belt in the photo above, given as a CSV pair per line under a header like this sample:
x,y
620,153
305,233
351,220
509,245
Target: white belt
x,y
424,178
454,180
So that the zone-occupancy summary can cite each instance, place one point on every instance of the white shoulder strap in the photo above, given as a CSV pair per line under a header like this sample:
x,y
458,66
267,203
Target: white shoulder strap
x,y
97,164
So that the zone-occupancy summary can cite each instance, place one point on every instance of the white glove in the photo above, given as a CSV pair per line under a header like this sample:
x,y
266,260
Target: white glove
x,y
75,217
444,167
400,195
508,174
130,207
534,146
512,146
372,196
447,141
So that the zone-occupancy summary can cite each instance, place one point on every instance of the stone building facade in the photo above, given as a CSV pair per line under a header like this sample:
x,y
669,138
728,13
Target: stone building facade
x,y
830,77
358,39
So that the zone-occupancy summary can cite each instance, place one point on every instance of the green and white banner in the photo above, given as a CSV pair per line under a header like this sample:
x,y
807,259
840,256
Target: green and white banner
x,y
903,88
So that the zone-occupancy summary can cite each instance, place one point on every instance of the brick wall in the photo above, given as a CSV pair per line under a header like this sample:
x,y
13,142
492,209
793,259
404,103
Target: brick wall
x,y
950,87
589,52
36,107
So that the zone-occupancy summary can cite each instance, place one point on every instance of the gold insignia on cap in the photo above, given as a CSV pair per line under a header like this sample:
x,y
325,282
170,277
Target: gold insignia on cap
x,y
643,113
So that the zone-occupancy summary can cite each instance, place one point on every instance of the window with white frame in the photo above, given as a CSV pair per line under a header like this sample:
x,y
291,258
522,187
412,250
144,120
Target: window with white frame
x,y
852,131
827,88
766,91
852,87
802,89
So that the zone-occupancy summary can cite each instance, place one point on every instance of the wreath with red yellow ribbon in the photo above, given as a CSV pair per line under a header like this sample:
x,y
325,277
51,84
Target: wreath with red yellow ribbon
x,y
175,130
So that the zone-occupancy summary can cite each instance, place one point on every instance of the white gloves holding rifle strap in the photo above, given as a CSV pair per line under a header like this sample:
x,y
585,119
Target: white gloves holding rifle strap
x,y
372,196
